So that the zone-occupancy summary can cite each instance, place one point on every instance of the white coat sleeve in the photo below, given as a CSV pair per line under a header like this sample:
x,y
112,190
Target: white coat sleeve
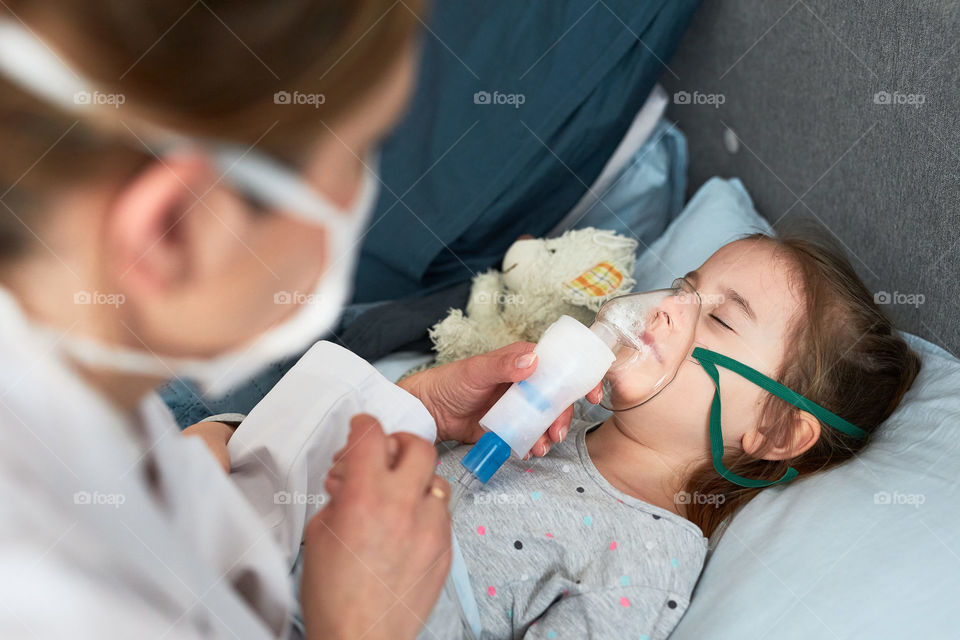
x,y
281,453
54,599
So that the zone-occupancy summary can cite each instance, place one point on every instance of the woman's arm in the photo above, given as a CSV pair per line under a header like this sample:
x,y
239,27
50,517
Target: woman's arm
x,y
215,435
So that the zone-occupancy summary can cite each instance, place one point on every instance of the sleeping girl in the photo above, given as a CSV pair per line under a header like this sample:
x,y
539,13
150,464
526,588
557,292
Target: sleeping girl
x,y
606,536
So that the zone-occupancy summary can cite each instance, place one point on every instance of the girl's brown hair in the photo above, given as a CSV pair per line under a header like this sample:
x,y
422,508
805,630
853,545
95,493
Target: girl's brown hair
x,y
214,69
843,353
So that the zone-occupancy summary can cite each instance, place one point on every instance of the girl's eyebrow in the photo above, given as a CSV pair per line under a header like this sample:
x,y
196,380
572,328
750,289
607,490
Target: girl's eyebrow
x,y
734,297
742,303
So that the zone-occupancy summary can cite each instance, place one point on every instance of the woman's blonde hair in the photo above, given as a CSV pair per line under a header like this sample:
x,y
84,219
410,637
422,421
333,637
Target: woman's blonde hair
x,y
214,69
843,353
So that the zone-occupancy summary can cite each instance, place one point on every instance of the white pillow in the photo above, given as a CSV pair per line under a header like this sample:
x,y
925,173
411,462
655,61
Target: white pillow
x,y
721,211
870,549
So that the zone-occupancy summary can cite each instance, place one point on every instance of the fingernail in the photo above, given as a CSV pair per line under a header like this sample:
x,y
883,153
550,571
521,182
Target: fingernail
x,y
392,449
526,360
563,433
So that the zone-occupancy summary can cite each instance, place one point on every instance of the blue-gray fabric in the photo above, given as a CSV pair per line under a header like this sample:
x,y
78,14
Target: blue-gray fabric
x,y
800,82
472,177
648,193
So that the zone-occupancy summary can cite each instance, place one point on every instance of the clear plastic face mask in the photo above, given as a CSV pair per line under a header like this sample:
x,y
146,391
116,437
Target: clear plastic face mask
x,y
651,334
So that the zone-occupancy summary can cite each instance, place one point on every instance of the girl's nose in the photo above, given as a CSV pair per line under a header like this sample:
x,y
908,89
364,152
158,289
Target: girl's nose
x,y
661,321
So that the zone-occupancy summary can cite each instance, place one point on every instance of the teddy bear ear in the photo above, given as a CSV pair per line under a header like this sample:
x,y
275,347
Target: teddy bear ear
x,y
595,286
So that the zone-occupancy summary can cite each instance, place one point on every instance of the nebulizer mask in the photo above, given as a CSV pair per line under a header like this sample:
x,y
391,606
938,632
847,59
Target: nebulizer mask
x,y
654,335
650,334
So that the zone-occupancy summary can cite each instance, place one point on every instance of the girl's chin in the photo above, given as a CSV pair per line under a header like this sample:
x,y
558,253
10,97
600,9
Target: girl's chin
x,y
625,393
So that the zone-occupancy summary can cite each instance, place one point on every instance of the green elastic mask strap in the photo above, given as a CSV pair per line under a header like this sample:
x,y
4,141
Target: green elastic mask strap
x,y
709,361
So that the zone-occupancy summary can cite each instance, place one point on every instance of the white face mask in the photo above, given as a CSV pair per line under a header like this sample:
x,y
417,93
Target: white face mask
x,y
31,64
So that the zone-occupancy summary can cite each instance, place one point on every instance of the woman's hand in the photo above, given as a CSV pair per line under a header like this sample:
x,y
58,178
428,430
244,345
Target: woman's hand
x,y
376,557
215,435
457,394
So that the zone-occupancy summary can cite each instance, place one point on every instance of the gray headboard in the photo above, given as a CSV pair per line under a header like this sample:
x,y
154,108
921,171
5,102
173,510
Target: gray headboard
x,y
847,111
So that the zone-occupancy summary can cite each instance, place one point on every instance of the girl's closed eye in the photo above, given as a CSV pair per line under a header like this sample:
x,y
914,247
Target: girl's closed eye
x,y
721,322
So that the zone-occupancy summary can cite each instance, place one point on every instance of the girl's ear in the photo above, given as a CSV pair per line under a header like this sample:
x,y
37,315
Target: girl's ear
x,y
805,433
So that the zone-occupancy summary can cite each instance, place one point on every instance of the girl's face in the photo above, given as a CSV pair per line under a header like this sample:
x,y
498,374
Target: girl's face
x,y
748,303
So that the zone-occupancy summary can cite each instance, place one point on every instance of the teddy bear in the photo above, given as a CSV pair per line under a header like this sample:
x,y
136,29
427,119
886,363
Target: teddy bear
x,y
540,280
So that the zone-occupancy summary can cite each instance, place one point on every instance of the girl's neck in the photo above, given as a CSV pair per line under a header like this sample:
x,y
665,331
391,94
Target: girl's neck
x,y
634,467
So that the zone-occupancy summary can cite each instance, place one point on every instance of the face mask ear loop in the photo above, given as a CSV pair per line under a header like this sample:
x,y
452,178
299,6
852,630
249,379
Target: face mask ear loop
x,y
716,437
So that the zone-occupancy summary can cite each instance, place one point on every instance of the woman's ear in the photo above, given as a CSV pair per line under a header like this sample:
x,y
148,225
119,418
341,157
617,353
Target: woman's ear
x,y
148,250
169,223
805,433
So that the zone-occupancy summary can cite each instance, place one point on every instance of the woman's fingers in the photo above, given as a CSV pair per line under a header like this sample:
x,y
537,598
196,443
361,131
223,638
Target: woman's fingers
x,y
539,448
555,433
332,484
511,363
384,538
366,451
438,492
414,466
595,395
561,426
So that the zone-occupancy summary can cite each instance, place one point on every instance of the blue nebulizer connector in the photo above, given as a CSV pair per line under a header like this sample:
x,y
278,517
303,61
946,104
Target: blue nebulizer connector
x,y
480,463
485,457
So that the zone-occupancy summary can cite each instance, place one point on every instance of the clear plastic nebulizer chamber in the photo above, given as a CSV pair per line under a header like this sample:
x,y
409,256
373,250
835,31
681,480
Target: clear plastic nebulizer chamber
x,y
635,347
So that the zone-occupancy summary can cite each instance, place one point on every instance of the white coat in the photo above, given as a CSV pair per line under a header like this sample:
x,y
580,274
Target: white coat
x,y
117,526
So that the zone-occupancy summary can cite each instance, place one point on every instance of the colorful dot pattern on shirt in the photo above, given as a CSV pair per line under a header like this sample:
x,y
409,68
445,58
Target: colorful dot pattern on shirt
x,y
519,546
